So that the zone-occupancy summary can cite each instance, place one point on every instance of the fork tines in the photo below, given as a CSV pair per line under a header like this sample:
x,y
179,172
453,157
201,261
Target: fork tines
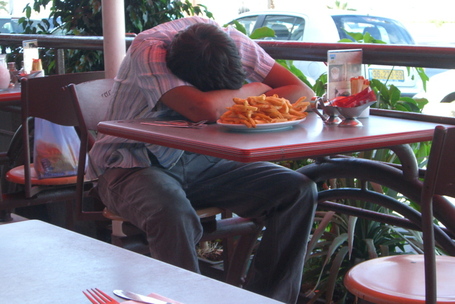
x,y
97,296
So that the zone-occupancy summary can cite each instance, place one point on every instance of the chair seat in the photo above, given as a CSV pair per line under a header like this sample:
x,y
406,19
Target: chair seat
x,y
203,213
16,175
400,279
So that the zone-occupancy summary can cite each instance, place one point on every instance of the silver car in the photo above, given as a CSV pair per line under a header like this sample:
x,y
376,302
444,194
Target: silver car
x,y
332,26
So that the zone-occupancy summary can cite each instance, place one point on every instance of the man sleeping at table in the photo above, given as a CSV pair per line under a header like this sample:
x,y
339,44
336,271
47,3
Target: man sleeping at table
x,y
192,67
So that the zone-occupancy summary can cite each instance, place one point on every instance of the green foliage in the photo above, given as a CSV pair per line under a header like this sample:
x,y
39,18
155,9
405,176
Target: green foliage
x,y
367,38
142,15
84,18
265,32
3,5
262,32
390,98
259,33
339,242
319,87
361,38
340,6
289,64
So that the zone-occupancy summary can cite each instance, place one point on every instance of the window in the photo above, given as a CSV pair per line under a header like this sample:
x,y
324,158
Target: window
x,y
383,29
249,23
285,27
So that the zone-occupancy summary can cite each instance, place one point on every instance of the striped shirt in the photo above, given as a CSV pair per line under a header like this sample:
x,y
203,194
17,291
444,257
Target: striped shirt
x,y
142,79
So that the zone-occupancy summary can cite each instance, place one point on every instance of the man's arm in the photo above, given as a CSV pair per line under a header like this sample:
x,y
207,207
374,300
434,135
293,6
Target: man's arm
x,y
285,84
197,105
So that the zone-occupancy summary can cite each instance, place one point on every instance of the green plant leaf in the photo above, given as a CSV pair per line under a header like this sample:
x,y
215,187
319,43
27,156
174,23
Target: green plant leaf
x,y
345,40
395,94
336,243
238,26
409,106
367,38
319,86
319,231
351,233
289,64
262,32
423,76
371,249
334,271
358,37
421,102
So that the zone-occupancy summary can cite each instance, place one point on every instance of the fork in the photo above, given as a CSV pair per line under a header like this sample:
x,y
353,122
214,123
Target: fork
x,y
176,123
96,296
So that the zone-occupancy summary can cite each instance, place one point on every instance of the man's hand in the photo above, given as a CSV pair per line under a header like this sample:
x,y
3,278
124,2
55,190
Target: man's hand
x,y
287,85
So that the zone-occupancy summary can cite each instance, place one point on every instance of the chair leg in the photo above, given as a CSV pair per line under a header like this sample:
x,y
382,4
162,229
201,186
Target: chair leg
x,y
248,232
5,216
136,243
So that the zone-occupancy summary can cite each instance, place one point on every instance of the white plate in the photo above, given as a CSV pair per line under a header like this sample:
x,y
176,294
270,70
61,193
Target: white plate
x,y
262,127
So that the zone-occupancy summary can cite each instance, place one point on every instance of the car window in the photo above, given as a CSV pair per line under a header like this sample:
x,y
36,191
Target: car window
x,y
7,26
285,27
387,30
249,23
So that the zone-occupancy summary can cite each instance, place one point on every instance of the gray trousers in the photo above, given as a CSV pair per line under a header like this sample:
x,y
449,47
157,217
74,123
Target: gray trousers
x,y
162,202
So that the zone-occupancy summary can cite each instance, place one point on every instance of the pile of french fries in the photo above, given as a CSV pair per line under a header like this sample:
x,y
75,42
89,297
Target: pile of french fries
x,y
264,109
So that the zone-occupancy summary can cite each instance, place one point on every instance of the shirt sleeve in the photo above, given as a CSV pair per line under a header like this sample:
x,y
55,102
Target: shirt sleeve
x,y
153,76
256,62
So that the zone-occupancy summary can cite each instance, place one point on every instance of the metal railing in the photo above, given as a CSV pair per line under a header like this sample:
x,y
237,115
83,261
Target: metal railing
x,y
402,55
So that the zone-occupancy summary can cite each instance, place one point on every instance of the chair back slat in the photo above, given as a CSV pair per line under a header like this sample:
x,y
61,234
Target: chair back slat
x,y
439,179
44,97
445,178
91,100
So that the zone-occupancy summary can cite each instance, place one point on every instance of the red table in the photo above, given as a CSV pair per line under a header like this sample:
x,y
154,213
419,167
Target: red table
x,y
313,139
310,138
11,96
10,102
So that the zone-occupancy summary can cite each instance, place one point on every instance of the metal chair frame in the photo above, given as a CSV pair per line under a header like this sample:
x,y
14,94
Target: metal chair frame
x,y
438,180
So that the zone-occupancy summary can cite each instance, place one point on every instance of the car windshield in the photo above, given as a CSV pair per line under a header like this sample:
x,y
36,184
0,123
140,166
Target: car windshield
x,y
8,25
384,29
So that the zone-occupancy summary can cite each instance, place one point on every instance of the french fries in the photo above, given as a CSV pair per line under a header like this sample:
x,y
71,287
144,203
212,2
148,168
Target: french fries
x,y
264,109
358,84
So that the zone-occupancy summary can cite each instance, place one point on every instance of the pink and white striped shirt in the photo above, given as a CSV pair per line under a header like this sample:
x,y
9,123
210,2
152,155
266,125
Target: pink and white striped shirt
x,y
142,79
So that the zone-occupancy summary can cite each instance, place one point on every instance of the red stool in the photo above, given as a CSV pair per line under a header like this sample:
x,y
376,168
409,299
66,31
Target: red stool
x,y
400,279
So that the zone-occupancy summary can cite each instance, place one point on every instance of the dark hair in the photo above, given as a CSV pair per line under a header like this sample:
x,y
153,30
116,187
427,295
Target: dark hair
x,y
206,57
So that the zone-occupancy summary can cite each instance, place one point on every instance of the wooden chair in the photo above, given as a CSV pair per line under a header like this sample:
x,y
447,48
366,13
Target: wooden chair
x,y
91,99
423,278
44,98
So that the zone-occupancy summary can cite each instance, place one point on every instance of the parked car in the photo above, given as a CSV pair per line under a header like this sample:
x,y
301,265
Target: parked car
x,y
331,26
440,94
10,25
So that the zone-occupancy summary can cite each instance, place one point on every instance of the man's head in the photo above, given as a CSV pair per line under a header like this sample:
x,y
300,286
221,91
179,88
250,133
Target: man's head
x,y
206,57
